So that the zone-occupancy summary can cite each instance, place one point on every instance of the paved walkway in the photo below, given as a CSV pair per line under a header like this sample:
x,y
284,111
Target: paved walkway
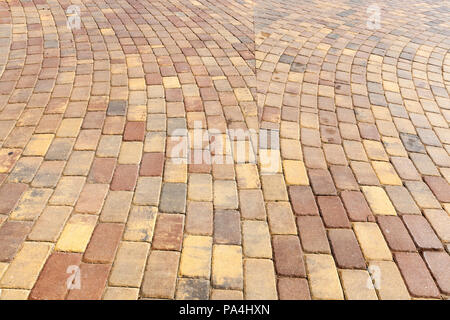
x,y
320,170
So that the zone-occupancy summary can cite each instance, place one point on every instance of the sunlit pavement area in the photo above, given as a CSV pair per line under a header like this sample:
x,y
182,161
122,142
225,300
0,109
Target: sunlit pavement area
x,y
224,149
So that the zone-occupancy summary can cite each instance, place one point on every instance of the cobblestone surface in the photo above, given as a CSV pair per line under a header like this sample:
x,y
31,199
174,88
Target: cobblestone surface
x,y
96,204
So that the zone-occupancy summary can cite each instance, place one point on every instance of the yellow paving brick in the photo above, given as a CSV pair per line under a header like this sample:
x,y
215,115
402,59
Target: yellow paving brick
x,y
14,294
378,200
227,267
171,82
26,266
77,233
357,285
175,172
140,224
200,187
386,173
70,127
247,176
372,242
137,84
295,172
243,94
38,145
196,257
388,281
130,153
129,265
3,267
259,278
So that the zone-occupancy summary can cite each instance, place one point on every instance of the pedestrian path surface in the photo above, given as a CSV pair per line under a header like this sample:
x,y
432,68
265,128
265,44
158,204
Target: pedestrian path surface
x,y
224,149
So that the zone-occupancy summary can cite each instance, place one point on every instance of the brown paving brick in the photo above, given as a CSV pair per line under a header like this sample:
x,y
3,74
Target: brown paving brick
x,y
102,170
421,232
356,205
344,178
440,187
346,249
104,243
93,279
227,227
293,289
10,194
396,234
439,265
417,277
251,203
125,177
92,198
312,234
168,233
134,131
303,201
152,164
52,282
12,235
199,218
333,212
321,182
288,256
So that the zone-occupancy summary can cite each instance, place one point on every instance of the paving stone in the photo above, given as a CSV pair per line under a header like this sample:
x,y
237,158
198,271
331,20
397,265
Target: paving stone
x,y
104,242
346,250
152,164
293,289
52,281
333,212
321,182
48,174
92,198
356,206
168,233
402,200
323,277
288,256
440,221
141,224
125,177
439,187
77,233
417,277
161,274
371,240
227,227
24,269
195,259
12,235
116,207
251,203
259,278
93,278
312,234
217,294
421,232
439,264
192,289
378,200
256,239
227,267
67,191
31,204
303,201
357,285
281,218
396,233
119,293
173,198
129,264
10,194
199,218
225,194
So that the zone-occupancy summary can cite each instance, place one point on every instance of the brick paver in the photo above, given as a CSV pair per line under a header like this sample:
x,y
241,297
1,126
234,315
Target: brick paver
x,y
338,188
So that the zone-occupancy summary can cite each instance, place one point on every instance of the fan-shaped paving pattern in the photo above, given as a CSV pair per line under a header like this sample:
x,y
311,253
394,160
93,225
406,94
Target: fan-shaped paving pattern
x,y
92,181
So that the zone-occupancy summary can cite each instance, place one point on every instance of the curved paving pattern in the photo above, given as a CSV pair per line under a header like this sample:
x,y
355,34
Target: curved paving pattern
x,y
354,204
